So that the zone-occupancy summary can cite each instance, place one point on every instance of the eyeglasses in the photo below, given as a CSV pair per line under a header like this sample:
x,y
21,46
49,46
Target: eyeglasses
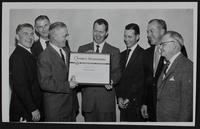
x,y
162,43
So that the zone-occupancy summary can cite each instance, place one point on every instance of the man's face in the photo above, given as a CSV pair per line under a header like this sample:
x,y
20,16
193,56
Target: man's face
x,y
99,33
26,37
42,27
167,46
130,38
154,33
60,36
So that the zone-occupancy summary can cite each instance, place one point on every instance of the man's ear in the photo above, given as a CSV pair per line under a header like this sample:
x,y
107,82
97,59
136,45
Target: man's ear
x,y
137,37
17,37
106,35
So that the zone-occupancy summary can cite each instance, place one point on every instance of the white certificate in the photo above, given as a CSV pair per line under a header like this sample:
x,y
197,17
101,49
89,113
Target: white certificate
x,y
90,68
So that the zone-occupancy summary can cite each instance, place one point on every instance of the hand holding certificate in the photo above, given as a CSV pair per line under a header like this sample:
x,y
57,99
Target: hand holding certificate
x,y
90,68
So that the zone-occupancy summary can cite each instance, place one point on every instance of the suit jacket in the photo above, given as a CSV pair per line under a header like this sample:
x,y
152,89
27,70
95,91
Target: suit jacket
x,y
175,92
150,83
132,81
26,95
36,48
60,101
91,95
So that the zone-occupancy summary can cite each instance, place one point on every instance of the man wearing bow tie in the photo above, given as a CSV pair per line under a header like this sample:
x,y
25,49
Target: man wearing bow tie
x,y
175,84
26,95
42,24
130,88
98,102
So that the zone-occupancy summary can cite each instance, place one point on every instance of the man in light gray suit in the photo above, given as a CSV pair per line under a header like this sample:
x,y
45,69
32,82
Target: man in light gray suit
x,y
60,100
175,84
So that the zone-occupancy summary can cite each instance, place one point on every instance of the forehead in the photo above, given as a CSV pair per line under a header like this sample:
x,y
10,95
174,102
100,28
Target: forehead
x,y
42,21
26,29
99,26
153,25
129,32
60,30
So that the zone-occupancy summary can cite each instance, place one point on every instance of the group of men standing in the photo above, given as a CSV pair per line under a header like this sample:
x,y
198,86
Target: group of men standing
x,y
155,84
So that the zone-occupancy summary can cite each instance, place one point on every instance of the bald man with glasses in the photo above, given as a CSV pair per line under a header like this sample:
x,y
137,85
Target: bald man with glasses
x,y
175,83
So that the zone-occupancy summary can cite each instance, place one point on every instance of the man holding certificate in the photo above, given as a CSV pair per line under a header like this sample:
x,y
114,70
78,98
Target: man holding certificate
x,y
98,101
60,100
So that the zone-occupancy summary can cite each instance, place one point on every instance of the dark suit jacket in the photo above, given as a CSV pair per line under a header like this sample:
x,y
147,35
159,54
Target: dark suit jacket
x,y
175,92
36,48
91,95
150,92
26,95
60,102
132,81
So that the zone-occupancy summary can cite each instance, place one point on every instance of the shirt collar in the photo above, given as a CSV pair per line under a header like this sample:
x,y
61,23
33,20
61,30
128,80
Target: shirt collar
x,y
133,47
28,49
174,57
56,48
43,43
100,46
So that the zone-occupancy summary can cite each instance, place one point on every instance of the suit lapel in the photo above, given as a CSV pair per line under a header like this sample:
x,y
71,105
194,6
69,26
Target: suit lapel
x,y
161,80
133,57
56,55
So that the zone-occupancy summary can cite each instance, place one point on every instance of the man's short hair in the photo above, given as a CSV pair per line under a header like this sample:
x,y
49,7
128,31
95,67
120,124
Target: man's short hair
x,y
133,26
41,17
100,22
161,23
176,36
21,26
56,25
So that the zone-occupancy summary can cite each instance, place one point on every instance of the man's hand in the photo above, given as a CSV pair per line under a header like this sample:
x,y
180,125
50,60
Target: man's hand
x,y
109,87
35,115
126,102
73,83
144,111
121,103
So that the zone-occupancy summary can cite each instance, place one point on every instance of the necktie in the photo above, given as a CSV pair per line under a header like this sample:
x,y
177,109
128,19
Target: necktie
x,y
47,43
127,54
62,56
166,67
97,50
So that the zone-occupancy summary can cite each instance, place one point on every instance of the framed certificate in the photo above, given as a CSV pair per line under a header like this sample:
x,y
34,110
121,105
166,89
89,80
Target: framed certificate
x,y
90,68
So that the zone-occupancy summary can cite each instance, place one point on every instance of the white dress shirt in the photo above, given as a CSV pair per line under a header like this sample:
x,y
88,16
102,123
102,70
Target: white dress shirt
x,y
43,43
58,51
131,52
28,49
100,46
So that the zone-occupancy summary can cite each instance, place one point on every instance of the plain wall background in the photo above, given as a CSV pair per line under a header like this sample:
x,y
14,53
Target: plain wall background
x,y
80,24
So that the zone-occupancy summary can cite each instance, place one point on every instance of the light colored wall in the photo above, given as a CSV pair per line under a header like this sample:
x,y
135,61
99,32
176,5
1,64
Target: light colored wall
x,y
80,21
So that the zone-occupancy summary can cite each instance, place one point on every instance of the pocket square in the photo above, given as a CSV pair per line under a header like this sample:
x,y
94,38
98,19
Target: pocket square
x,y
172,79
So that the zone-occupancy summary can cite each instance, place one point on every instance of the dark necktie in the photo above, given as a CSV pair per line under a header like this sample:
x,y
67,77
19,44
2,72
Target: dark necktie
x,y
166,67
62,56
47,43
127,54
97,50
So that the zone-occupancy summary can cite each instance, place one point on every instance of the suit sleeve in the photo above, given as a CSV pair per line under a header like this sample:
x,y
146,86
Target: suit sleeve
x,y
47,79
20,82
186,96
115,67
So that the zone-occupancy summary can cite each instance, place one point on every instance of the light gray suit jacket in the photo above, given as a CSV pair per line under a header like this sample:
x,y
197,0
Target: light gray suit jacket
x,y
60,102
175,92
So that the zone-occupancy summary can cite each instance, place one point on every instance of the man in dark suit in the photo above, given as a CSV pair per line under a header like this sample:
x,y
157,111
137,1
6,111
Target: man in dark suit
x,y
175,84
153,64
26,95
98,102
130,88
60,100
42,24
